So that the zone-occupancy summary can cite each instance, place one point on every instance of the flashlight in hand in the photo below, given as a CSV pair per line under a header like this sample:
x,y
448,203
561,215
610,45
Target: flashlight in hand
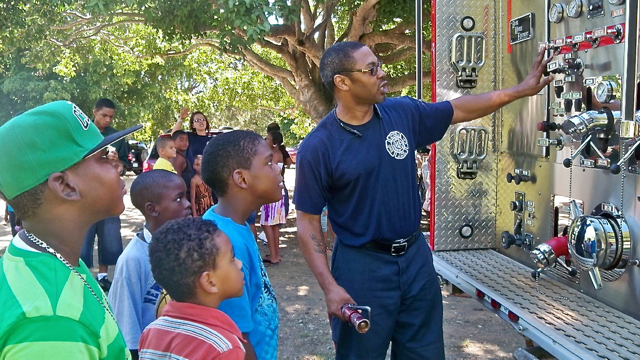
x,y
353,314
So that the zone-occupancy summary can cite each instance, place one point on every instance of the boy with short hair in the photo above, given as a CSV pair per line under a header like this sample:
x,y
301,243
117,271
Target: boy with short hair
x,y
52,307
180,163
194,261
166,151
160,197
238,167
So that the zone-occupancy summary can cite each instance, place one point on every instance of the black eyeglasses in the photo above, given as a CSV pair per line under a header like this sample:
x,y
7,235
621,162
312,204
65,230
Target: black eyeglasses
x,y
372,70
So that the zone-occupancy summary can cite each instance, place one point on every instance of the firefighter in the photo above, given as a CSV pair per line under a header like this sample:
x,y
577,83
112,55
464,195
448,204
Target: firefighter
x,y
360,161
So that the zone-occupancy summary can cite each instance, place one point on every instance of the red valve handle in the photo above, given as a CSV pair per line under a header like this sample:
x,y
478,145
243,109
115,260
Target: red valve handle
x,y
560,246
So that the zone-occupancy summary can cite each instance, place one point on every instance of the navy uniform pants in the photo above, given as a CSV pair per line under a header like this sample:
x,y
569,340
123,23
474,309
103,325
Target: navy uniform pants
x,y
406,304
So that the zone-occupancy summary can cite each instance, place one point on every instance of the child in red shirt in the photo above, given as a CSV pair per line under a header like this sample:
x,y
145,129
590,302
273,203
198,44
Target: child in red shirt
x,y
194,262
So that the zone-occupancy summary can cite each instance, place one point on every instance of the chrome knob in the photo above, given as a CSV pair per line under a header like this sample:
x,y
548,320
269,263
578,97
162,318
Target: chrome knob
x,y
599,242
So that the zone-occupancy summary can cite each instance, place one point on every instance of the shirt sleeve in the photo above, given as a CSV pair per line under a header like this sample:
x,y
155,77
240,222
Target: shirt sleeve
x,y
312,177
125,297
433,120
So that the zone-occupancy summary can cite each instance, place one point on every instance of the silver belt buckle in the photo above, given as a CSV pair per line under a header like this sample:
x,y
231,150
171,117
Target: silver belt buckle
x,y
399,248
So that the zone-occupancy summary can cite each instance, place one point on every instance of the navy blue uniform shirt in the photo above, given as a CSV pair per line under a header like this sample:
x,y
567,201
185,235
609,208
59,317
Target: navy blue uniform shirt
x,y
369,181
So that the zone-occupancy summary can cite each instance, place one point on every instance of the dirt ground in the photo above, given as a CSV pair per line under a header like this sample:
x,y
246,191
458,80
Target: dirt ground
x,y
470,331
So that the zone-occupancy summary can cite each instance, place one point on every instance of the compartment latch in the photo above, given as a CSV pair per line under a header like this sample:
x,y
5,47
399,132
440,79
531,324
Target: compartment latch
x,y
467,58
470,150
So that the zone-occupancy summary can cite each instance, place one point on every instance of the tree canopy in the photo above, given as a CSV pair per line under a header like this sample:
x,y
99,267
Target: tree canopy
x,y
153,56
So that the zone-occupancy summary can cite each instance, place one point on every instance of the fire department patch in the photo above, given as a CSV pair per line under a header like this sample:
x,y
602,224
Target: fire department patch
x,y
397,145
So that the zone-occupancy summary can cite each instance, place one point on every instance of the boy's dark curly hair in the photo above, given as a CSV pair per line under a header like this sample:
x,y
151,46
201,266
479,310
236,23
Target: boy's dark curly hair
x,y
226,153
181,250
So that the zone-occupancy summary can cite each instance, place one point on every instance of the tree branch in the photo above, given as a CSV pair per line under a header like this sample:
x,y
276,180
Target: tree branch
x,y
307,16
97,29
363,16
397,55
398,83
265,66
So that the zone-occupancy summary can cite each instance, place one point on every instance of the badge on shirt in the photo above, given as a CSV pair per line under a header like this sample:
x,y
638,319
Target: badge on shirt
x,y
397,145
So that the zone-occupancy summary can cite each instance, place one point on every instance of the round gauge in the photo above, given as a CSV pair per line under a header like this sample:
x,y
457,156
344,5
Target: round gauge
x,y
556,13
604,91
574,9
616,2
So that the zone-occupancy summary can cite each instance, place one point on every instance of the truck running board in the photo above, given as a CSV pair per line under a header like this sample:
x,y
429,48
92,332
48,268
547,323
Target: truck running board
x,y
561,320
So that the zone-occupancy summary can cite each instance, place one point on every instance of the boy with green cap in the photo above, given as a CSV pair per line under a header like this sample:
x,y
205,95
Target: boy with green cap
x,y
63,181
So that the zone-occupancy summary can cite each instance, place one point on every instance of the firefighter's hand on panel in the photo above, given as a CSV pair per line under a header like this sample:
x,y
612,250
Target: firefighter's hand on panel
x,y
536,81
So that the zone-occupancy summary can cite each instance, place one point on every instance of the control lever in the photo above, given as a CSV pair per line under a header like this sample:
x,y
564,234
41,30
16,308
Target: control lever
x,y
545,126
589,99
558,90
615,168
568,161
577,105
568,104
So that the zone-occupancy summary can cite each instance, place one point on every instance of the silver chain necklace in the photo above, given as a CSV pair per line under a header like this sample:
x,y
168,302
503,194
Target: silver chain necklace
x,y
50,250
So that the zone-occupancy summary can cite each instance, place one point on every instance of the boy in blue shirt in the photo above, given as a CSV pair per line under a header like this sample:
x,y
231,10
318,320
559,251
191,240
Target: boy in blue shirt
x,y
238,167
160,196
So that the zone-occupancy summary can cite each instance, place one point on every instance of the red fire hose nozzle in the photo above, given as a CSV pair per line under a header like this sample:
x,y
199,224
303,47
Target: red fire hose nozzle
x,y
353,314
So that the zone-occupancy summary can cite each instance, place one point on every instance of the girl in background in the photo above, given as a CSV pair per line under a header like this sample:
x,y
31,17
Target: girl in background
x,y
201,195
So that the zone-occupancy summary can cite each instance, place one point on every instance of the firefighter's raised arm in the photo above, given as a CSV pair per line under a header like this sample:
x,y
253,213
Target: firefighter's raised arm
x,y
471,107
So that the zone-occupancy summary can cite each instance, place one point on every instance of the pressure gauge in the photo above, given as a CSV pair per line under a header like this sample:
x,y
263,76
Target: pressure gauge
x,y
605,91
616,2
556,13
574,9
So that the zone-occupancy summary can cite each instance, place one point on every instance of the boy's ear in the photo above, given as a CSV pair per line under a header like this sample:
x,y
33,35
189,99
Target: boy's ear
x,y
63,186
207,283
240,178
151,208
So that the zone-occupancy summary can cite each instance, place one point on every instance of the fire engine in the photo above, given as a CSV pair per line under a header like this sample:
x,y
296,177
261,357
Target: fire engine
x,y
535,209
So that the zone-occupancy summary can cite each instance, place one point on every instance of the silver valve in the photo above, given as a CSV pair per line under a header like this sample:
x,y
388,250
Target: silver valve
x,y
616,33
599,242
591,121
572,66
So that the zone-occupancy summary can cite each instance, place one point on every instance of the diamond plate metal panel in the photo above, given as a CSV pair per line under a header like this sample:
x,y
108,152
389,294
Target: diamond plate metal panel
x,y
459,202
573,323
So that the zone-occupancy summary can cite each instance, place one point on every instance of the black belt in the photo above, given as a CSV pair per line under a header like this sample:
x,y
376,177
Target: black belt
x,y
395,248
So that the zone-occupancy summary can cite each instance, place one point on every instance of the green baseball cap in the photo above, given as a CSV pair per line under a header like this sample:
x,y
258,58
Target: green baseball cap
x,y
45,140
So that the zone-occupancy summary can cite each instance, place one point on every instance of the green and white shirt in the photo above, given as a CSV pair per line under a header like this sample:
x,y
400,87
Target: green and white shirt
x,y
48,312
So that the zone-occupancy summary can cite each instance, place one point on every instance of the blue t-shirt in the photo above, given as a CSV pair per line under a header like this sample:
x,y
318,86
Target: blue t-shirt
x,y
368,182
9,208
256,311
134,293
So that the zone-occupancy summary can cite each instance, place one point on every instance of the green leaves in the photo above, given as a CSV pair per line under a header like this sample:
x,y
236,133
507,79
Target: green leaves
x,y
155,56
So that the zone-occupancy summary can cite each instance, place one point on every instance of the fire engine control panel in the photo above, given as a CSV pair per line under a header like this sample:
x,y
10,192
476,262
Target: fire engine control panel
x,y
584,108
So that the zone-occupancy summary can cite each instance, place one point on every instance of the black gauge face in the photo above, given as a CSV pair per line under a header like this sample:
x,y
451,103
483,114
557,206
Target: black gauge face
x,y
556,13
